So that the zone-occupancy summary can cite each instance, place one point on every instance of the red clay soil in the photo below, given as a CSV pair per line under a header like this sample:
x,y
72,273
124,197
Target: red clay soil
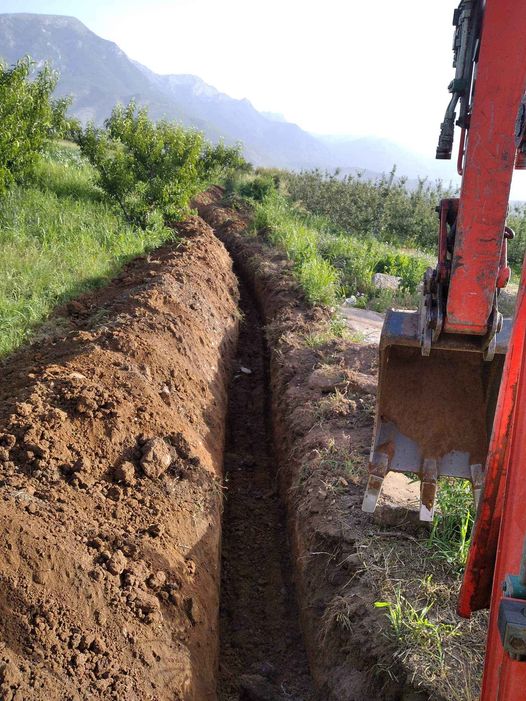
x,y
111,447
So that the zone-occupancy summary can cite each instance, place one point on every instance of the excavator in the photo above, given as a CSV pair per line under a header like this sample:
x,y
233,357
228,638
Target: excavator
x,y
452,375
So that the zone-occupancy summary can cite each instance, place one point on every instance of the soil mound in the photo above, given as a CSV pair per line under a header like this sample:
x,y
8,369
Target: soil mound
x,y
111,442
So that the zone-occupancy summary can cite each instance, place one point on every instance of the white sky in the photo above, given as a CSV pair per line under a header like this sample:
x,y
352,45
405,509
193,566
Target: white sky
x,y
332,66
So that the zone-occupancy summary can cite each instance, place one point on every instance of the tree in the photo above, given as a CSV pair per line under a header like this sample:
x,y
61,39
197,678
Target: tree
x,y
28,118
153,169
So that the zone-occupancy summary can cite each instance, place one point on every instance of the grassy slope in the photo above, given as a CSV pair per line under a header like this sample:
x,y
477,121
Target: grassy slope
x,y
58,238
329,262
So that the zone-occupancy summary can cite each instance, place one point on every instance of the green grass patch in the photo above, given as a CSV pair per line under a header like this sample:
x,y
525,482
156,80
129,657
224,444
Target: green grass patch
x,y
329,263
450,534
58,238
414,629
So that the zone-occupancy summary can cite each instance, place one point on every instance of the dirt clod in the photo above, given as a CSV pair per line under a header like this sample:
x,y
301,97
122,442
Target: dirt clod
x,y
156,457
125,473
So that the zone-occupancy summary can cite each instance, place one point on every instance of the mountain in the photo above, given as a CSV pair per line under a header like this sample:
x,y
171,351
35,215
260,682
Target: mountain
x,y
97,73
379,155
267,142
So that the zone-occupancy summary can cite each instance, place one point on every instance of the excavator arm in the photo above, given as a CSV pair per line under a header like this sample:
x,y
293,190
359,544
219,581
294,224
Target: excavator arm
x,y
452,378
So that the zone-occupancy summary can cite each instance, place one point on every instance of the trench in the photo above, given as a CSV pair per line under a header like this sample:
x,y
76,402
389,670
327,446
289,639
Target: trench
x,y
262,655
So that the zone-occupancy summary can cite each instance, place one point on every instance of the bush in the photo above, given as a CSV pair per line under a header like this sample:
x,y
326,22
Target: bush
x,y
517,246
28,118
58,238
259,187
385,209
152,170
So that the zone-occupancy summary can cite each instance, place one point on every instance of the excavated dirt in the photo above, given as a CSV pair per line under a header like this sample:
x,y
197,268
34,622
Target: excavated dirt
x,y
454,387
111,446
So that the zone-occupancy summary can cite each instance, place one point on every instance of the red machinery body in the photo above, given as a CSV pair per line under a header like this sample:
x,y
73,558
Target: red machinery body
x,y
488,167
457,338
496,567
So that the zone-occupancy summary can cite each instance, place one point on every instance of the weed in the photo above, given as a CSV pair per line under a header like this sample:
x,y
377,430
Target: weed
x,y
339,613
57,240
341,462
412,627
334,404
450,534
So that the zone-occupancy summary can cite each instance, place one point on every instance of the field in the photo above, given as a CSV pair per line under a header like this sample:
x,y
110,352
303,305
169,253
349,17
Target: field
x,y
184,431
59,238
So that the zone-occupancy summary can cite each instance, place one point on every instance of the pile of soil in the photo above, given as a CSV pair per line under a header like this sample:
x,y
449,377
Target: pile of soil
x,y
111,447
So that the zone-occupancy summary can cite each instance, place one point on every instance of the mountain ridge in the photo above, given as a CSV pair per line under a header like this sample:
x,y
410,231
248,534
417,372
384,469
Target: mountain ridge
x,y
97,73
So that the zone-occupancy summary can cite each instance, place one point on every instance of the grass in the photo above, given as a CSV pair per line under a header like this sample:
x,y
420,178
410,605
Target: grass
x,y
58,238
330,263
413,628
449,538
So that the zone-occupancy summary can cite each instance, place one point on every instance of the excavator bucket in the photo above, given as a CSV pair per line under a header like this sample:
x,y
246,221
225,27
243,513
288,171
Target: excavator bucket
x,y
434,413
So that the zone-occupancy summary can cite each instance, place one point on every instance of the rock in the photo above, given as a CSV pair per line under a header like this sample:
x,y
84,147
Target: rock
x,y
86,405
147,603
327,379
114,493
254,687
156,581
125,473
117,562
350,301
399,502
382,281
156,457
7,440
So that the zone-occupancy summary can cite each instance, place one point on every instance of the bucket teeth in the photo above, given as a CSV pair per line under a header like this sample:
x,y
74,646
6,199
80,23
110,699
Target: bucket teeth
x,y
477,481
378,468
430,470
428,490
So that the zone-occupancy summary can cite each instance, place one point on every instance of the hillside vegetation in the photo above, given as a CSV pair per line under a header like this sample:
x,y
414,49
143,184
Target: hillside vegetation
x,y
67,224
333,260
340,231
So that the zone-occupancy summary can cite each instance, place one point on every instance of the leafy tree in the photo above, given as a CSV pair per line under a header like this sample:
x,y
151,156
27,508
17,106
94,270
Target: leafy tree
x,y
153,169
28,118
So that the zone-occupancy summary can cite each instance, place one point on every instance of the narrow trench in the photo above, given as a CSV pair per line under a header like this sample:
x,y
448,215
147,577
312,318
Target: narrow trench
x,y
262,656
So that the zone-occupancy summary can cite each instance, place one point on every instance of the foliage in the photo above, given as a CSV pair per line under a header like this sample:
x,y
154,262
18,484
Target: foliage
x,y
153,169
413,628
28,118
259,187
517,246
385,209
58,238
450,535
388,210
344,264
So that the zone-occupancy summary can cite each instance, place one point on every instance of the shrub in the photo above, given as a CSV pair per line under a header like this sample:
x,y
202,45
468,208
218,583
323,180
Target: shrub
x,y
28,118
152,170
385,209
259,187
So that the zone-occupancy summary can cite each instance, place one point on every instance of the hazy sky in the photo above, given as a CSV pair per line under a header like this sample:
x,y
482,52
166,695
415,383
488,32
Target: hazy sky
x,y
332,66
